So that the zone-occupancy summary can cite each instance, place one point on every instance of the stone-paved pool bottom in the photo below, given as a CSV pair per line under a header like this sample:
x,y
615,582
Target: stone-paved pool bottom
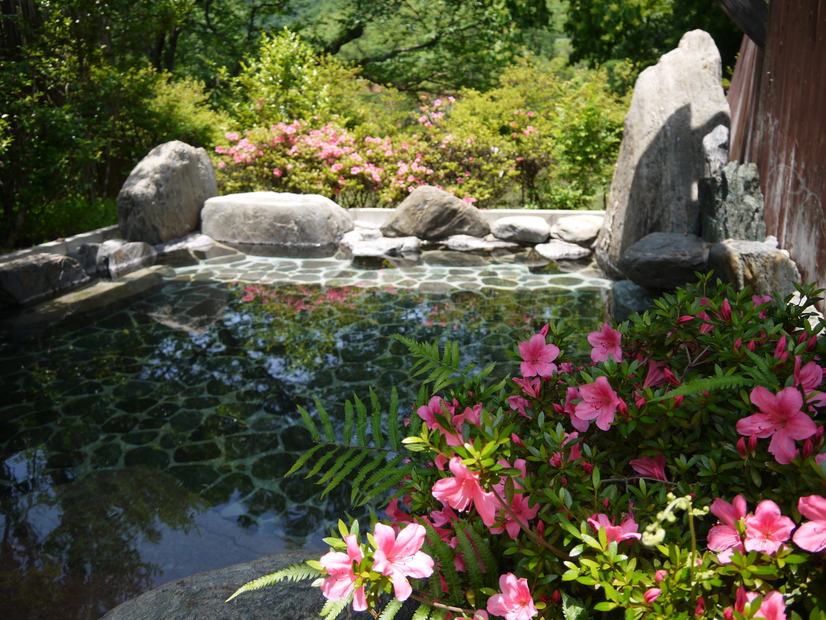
x,y
151,444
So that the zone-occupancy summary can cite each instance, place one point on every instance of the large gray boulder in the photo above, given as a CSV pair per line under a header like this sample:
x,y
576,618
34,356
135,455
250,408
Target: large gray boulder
x,y
163,196
522,229
665,261
285,220
735,207
202,596
760,266
116,257
38,277
579,229
628,298
432,214
675,104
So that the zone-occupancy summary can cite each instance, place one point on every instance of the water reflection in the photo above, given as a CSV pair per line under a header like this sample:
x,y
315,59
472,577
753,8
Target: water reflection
x,y
152,444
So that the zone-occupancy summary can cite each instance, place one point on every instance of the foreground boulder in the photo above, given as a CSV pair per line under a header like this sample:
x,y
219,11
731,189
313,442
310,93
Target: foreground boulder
x,y
163,196
676,103
760,266
432,214
202,596
665,261
116,257
38,277
734,209
298,221
628,298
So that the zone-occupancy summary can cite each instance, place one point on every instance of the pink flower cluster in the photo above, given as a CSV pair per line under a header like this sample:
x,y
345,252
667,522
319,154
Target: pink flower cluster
x,y
395,557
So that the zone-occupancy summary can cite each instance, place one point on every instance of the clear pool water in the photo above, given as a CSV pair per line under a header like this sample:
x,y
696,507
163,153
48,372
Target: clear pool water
x,y
150,444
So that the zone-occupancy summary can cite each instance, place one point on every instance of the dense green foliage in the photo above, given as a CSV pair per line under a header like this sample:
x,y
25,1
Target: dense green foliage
x,y
88,88
629,35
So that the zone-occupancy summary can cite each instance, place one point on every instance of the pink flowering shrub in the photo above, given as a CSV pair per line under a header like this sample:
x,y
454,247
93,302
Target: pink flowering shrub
x,y
698,492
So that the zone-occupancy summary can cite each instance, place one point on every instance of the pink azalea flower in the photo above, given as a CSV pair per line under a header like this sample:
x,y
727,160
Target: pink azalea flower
x,y
724,537
342,578
606,342
809,378
515,602
599,402
570,409
538,356
767,529
518,404
530,387
520,507
441,407
781,419
773,607
651,468
626,531
811,536
651,595
400,558
655,376
463,489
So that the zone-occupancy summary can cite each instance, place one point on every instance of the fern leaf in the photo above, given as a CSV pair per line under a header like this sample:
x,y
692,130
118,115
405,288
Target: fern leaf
x,y
378,436
762,370
348,422
296,572
391,609
336,467
325,421
345,471
446,565
393,421
438,614
363,473
303,459
482,549
308,422
322,461
705,384
361,423
472,561
333,609
422,612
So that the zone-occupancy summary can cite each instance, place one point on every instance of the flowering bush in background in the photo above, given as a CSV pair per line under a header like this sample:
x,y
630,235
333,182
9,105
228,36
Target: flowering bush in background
x,y
680,473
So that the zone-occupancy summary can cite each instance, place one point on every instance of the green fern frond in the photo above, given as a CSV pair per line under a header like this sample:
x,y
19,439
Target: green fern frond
x,y
296,572
322,461
325,421
348,423
345,471
391,609
472,561
446,565
363,473
762,370
438,614
422,612
303,459
705,385
391,477
482,549
393,421
378,436
333,609
308,422
336,466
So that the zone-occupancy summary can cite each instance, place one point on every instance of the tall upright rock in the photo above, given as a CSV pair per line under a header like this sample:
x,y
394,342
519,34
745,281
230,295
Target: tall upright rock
x,y
675,104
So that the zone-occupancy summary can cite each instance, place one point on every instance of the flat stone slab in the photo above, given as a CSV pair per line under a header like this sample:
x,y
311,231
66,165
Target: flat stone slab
x,y
665,261
36,277
579,229
466,243
277,219
557,250
522,229
202,596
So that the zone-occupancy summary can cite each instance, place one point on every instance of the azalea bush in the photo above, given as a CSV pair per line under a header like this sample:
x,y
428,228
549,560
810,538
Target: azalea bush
x,y
680,472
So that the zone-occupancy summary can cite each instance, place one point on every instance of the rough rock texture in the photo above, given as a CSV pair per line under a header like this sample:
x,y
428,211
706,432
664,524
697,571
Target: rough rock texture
x,y
38,277
277,219
466,243
115,259
675,104
522,229
579,229
735,206
429,213
87,256
556,250
202,596
369,242
664,260
163,196
758,265
628,298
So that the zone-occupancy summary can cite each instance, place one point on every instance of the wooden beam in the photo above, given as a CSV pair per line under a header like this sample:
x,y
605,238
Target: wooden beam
x,y
751,16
